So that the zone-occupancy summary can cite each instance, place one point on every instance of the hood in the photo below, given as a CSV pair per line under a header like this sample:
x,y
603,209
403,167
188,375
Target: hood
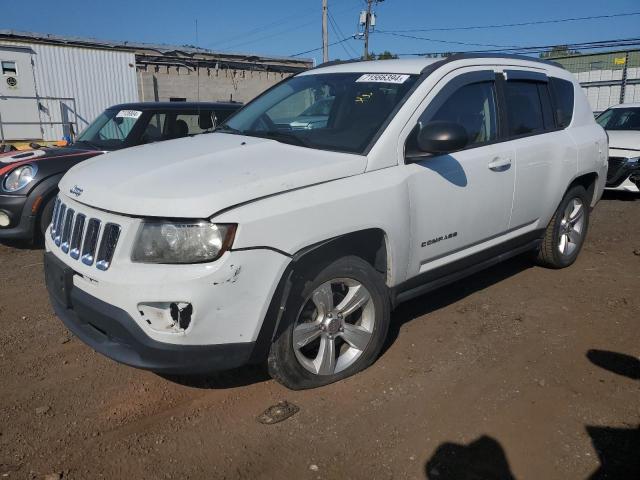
x,y
624,139
195,177
10,160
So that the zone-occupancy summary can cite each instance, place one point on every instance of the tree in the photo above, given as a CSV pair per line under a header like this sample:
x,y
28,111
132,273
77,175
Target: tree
x,y
559,51
386,55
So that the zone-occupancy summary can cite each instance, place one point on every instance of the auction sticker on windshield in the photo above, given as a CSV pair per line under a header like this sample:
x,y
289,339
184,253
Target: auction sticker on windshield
x,y
383,78
129,114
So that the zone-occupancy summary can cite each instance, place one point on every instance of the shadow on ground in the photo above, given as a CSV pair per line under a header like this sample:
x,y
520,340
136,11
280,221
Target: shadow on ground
x,y
240,377
618,448
620,195
482,459
454,292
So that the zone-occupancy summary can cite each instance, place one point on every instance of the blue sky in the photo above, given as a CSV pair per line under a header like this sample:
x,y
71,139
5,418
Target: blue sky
x,y
286,27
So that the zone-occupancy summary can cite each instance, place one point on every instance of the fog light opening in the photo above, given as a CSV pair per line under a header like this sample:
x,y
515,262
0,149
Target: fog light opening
x,y
181,314
4,219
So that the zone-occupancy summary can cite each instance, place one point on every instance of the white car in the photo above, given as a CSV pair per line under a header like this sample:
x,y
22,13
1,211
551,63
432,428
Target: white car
x,y
291,247
622,124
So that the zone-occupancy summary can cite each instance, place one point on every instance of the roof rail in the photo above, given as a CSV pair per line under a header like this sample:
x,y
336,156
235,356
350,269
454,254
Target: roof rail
x,y
337,62
462,56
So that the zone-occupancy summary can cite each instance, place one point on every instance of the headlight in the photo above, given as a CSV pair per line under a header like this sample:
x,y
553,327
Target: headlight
x,y
169,242
20,178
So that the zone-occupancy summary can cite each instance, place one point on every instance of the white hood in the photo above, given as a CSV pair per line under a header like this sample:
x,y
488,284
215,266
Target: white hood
x,y
624,139
198,176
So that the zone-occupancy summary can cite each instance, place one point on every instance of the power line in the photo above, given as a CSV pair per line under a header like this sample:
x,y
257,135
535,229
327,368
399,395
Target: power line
x,y
271,35
338,33
621,42
413,37
320,48
519,24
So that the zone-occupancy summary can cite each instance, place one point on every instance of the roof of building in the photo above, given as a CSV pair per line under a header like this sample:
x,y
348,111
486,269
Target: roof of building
x,y
162,49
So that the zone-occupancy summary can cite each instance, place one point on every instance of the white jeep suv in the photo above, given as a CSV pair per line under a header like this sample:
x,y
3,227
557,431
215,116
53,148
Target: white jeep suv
x,y
265,243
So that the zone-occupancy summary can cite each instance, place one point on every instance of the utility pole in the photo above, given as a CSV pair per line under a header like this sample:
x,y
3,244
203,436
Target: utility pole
x,y
367,26
325,34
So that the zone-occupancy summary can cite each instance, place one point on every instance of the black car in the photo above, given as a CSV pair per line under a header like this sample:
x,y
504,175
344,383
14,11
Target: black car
x,y
29,179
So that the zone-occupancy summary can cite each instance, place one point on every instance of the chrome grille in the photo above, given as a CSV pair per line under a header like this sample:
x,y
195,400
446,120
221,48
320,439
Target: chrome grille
x,y
66,231
108,245
82,237
76,236
58,236
90,241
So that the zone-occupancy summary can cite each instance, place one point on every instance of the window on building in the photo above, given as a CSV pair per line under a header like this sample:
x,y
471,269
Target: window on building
x,y
9,68
524,108
177,99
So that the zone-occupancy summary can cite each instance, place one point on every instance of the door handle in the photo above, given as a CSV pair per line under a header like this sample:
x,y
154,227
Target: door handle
x,y
500,164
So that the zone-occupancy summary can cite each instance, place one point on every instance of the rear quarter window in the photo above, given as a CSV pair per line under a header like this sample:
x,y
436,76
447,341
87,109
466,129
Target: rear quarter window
x,y
563,96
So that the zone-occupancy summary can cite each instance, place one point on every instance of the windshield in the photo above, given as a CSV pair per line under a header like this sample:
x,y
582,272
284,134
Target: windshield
x,y
110,130
348,109
620,119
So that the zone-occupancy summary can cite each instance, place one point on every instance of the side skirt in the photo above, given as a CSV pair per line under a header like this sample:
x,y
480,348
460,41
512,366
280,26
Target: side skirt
x,y
452,272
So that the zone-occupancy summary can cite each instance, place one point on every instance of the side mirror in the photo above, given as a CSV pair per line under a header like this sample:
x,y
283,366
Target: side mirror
x,y
442,137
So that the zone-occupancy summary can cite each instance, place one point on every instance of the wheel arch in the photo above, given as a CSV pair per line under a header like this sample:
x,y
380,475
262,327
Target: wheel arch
x,y
589,181
370,244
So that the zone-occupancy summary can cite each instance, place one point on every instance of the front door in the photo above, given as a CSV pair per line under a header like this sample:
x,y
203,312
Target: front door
x,y
462,199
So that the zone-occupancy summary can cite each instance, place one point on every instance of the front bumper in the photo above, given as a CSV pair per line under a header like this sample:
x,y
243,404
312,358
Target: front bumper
x,y
114,333
21,220
623,173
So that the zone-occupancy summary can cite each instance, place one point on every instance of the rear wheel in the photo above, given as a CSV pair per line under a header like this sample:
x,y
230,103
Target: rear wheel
x,y
337,320
567,230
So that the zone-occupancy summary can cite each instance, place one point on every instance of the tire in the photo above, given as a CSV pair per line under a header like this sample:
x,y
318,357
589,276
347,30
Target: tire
x,y
567,230
45,217
356,324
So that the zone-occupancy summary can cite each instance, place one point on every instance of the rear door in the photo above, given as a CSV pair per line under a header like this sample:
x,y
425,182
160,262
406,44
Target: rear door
x,y
544,154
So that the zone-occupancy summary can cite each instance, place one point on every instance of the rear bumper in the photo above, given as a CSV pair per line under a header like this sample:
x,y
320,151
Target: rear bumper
x,y
112,332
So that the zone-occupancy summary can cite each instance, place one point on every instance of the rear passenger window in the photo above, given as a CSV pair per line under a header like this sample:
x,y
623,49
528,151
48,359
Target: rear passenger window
x,y
524,108
563,96
473,107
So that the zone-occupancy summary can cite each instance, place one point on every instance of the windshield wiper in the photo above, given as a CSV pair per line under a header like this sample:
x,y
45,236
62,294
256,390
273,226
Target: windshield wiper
x,y
92,145
280,136
226,128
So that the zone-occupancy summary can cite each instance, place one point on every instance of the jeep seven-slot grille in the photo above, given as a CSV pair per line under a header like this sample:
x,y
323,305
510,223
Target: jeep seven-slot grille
x,y
84,239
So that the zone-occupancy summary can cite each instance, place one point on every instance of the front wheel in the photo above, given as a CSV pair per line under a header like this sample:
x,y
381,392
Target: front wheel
x,y
567,230
337,320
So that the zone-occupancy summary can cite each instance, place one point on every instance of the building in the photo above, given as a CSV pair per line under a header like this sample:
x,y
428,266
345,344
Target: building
x,y
607,78
52,87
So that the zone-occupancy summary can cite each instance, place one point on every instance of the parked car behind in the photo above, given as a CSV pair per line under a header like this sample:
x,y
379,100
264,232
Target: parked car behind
x,y
622,124
261,243
29,179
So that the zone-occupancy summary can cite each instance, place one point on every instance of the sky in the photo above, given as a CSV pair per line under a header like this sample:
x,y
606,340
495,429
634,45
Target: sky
x,y
289,27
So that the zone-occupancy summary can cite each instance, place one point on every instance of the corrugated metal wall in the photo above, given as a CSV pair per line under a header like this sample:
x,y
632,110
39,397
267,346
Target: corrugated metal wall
x,y
601,77
95,78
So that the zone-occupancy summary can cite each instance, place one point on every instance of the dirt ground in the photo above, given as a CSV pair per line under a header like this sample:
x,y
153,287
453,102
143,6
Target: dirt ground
x,y
516,372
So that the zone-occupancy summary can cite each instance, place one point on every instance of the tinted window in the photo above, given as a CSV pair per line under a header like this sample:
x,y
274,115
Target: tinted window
x,y
474,107
563,96
524,108
361,103
620,119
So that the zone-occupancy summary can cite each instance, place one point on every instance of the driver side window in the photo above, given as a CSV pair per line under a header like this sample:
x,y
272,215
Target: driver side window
x,y
473,107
